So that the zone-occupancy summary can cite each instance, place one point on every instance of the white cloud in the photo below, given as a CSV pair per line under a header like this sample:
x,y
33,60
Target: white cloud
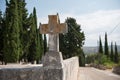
x,y
95,24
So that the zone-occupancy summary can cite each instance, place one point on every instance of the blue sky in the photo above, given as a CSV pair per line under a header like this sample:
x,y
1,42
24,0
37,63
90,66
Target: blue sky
x,y
95,16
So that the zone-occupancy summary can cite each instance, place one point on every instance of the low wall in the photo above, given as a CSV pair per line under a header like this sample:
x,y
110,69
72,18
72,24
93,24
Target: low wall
x,y
116,70
70,69
29,73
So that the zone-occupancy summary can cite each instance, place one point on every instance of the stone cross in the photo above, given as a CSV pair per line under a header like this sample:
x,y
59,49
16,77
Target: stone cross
x,y
53,28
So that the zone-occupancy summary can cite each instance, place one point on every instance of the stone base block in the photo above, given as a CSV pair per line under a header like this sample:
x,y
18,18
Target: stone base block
x,y
53,74
53,59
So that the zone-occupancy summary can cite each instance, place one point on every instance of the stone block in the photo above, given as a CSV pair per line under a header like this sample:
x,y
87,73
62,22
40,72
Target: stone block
x,y
30,73
70,69
53,66
53,74
53,59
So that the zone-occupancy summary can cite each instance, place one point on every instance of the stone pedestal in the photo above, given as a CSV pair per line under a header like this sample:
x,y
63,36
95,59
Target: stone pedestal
x,y
53,66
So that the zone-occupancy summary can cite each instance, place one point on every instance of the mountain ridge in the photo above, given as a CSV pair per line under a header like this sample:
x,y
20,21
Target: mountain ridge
x,y
94,49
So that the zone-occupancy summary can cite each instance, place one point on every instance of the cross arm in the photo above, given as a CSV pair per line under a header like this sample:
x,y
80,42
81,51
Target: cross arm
x,y
44,29
61,28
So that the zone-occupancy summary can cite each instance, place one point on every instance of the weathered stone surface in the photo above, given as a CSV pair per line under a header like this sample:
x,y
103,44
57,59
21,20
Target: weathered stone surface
x,y
53,42
53,73
67,71
31,73
52,62
53,59
116,70
53,66
53,28
70,69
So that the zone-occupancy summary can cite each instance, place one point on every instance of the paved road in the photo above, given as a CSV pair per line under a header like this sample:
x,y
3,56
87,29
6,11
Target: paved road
x,y
89,73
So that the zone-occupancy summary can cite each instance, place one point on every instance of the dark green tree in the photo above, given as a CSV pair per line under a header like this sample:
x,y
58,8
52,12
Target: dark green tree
x,y
45,44
106,46
111,54
116,60
72,41
81,56
100,46
38,38
40,45
34,49
37,51
11,32
1,37
24,24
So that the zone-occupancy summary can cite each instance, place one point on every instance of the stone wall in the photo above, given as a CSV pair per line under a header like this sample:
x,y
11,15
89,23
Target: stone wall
x,y
70,71
70,68
30,73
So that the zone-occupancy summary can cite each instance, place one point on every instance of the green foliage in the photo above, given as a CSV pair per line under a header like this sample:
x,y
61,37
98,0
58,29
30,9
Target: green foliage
x,y
109,65
24,26
100,59
40,45
100,46
103,59
111,54
107,62
106,46
45,44
73,40
1,36
39,40
33,37
118,64
89,58
81,56
36,46
116,58
20,38
11,33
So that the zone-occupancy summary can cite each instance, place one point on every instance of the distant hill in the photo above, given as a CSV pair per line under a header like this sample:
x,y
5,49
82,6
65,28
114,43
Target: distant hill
x,y
91,50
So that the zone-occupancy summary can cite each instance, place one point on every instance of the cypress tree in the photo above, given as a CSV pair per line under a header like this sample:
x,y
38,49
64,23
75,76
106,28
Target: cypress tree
x,y
45,44
5,42
20,7
24,23
106,46
39,46
116,54
11,33
1,37
100,46
38,38
111,55
32,47
33,50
